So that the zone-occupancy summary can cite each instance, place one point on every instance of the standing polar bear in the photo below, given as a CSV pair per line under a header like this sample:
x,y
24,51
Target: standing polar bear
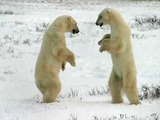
x,y
53,56
118,44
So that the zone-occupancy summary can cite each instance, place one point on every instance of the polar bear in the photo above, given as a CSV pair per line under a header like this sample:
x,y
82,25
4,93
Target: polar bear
x,y
118,44
53,56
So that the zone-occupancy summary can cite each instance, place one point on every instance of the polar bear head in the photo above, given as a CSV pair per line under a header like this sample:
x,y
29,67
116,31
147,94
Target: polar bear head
x,y
109,16
67,23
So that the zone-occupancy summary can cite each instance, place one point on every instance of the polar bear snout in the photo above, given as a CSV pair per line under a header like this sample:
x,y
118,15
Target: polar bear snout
x,y
76,30
99,24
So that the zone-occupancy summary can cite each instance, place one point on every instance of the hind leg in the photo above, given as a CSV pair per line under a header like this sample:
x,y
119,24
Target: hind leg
x,y
130,88
115,86
52,91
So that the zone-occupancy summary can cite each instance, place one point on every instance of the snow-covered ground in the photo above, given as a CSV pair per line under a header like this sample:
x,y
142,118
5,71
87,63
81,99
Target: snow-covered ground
x,y
21,31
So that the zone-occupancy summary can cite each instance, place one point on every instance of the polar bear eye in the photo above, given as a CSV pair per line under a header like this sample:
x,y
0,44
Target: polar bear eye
x,y
108,11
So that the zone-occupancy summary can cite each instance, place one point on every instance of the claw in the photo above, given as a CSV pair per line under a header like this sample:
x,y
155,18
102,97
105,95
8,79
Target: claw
x,y
100,50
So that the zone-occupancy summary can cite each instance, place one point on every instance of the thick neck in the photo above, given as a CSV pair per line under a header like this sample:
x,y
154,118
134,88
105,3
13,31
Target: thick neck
x,y
56,28
59,28
117,20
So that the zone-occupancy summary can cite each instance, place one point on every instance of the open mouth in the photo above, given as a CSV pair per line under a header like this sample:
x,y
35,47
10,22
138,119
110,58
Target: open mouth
x,y
101,24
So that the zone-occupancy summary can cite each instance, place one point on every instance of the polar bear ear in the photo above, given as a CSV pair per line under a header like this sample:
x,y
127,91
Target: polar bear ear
x,y
108,11
69,18
69,21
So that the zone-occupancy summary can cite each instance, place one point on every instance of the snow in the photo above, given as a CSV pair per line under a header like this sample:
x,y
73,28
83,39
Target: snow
x,y
20,41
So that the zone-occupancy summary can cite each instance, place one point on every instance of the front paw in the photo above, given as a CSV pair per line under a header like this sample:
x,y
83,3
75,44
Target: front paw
x,y
73,63
101,49
107,36
71,60
100,42
104,48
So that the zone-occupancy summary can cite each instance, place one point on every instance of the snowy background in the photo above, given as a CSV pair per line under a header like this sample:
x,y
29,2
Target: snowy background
x,y
84,94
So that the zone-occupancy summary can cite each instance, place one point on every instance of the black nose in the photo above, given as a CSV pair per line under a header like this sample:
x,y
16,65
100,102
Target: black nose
x,y
75,31
96,23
